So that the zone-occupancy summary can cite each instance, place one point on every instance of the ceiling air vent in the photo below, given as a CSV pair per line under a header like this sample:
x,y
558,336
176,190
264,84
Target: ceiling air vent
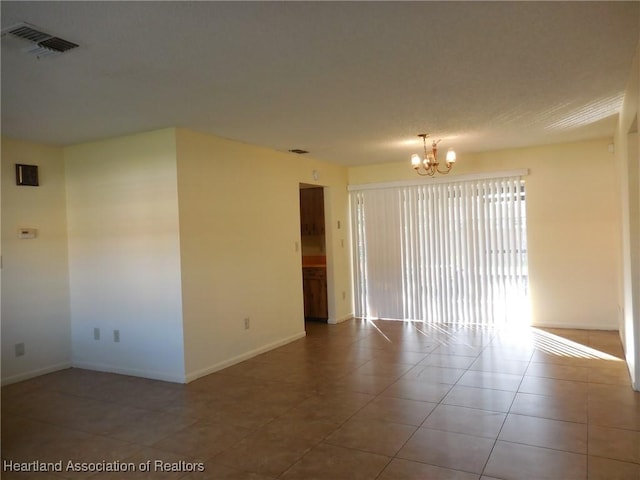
x,y
299,151
42,44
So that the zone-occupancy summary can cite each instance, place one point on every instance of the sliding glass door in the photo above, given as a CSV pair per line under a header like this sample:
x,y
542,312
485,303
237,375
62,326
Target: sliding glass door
x,y
441,252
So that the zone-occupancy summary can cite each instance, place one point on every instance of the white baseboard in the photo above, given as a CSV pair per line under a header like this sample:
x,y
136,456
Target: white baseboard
x,y
35,373
190,377
576,326
155,375
134,372
335,321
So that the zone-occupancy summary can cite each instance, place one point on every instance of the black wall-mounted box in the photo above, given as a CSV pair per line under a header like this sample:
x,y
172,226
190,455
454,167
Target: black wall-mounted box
x,y
27,175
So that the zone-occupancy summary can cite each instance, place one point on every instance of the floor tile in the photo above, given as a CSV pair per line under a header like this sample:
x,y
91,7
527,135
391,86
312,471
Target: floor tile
x,y
446,449
610,375
559,372
396,410
433,374
334,407
358,382
26,440
383,368
614,414
542,356
243,413
566,335
553,407
264,453
160,465
511,461
302,424
151,427
415,390
499,365
507,353
607,469
139,393
202,439
399,469
614,443
217,471
448,361
490,380
427,401
333,462
551,386
372,436
542,432
457,349
482,398
471,421
396,356
613,394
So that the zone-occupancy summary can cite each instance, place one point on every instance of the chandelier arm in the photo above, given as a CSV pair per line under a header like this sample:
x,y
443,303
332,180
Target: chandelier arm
x,y
444,172
425,170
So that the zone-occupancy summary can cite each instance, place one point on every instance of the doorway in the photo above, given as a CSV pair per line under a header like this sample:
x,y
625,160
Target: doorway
x,y
314,256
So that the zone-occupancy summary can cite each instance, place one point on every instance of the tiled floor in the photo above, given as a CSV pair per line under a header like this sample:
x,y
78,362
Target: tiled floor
x,y
359,400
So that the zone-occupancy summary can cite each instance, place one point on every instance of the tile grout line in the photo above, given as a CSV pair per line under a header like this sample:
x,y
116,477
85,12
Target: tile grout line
x,y
395,456
506,417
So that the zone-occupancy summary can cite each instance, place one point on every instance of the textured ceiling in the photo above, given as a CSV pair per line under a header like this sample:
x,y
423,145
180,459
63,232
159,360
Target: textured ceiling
x,y
352,82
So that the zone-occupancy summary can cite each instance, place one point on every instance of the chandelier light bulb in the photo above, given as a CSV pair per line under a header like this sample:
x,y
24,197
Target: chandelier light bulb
x,y
451,156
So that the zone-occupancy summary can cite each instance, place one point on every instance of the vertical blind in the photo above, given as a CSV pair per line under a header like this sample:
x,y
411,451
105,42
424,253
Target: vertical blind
x,y
441,252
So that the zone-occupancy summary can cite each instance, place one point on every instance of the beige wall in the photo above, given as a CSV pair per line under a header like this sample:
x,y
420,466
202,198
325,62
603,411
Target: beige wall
x,y
124,255
35,288
174,238
572,226
628,167
240,247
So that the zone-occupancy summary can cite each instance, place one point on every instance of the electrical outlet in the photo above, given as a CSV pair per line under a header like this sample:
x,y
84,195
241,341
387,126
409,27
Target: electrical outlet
x,y
116,336
20,349
96,334
247,323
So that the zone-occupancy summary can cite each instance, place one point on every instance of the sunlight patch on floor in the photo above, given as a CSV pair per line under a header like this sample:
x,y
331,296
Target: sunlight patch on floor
x,y
563,347
372,323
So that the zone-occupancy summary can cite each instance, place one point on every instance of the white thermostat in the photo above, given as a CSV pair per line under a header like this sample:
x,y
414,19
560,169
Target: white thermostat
x,y
27,233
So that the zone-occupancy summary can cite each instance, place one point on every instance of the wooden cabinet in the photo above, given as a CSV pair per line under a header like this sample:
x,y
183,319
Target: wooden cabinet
x,y
315,292
312,211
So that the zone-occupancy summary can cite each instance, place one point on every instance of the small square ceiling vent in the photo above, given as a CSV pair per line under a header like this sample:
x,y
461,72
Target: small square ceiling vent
x,y
41,44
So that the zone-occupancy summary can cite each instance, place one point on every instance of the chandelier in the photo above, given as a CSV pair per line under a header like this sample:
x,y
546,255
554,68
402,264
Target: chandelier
x,y
429,165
